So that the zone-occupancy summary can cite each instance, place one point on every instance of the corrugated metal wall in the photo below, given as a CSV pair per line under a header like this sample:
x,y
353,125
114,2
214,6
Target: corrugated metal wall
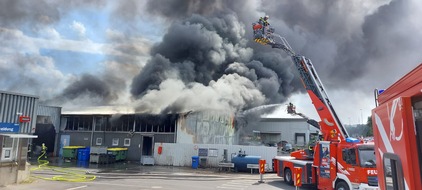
x,y
13,103
53,112
177,154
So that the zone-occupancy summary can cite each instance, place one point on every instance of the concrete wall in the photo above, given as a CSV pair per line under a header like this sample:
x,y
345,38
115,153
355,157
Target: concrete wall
x,y
176,154
206,127
9,173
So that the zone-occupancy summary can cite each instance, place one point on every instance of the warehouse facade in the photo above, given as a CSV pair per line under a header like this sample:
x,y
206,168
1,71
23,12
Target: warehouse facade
x,y
295,131
137,132
17,122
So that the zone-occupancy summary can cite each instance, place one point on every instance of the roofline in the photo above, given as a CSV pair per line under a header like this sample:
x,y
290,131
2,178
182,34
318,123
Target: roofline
x,y
111,114
49,106
266,119
19,94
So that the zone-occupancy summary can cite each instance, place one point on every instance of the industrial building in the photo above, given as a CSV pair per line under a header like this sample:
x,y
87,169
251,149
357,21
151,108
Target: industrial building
x,y
295,131
139,132
17,123
25,125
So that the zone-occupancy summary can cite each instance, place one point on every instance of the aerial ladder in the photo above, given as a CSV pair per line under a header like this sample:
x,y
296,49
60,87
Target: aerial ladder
x,y
337,161
291,109
331,127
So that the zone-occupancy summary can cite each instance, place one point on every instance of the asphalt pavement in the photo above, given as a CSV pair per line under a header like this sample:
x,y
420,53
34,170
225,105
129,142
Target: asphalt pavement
x,y
133,175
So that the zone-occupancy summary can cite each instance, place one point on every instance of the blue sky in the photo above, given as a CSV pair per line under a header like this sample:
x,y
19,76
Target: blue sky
x,y
90,25
71,62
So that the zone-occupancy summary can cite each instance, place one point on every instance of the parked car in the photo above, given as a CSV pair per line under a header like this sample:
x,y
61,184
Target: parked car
x,y
285,146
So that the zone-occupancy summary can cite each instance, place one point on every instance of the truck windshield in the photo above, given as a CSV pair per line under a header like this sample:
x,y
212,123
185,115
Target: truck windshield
x,y
367,157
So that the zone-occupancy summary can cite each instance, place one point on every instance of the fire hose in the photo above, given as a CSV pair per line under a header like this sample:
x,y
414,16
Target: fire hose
x,y
59,174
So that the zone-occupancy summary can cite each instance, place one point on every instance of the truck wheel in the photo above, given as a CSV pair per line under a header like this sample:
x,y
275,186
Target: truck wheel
x,y
342,186
288,177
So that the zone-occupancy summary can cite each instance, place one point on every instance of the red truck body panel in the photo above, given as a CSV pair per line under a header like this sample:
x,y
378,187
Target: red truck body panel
x,y
397,125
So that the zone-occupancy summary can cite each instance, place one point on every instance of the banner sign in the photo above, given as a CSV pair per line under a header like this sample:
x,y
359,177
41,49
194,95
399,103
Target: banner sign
x,y
9,127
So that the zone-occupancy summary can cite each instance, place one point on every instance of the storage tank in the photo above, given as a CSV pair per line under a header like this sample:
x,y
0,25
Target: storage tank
x,y
241,161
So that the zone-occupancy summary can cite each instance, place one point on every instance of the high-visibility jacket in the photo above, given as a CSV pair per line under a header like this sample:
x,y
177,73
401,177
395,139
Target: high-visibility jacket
x,y
263,22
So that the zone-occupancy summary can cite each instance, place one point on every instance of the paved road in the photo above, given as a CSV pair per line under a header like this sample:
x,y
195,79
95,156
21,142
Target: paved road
x,y
163,181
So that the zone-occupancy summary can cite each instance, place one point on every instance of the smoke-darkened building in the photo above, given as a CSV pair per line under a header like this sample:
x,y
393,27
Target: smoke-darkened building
x,y
137,132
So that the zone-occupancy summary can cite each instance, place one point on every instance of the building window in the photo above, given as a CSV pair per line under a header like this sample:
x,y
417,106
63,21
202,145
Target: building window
x,y
100,123
300,139
69,123
122,123
7,142
115,142
99,141
127,142
78,122
155,123
7,153
6,148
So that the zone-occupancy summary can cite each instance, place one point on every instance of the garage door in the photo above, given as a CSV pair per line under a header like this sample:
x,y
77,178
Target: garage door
x,y
270,137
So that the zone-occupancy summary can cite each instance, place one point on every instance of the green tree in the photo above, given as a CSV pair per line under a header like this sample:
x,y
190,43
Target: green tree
x,y
370,131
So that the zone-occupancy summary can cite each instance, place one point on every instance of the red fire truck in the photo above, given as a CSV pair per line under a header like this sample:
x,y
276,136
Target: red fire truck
x,y
337,161
397,124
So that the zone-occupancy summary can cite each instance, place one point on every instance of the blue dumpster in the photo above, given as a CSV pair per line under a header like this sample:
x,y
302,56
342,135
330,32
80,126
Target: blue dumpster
x,y
83,154
195,162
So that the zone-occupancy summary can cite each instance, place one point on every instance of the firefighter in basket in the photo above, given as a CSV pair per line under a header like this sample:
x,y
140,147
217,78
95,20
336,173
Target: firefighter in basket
x,y
263,31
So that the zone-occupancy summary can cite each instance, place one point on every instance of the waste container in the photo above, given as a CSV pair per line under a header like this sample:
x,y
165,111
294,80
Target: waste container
x,y
83,154
195,162
71,152
119,153
203,162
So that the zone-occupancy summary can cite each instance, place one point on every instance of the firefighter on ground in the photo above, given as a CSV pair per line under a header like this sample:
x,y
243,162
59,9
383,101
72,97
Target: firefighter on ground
x,y
44,150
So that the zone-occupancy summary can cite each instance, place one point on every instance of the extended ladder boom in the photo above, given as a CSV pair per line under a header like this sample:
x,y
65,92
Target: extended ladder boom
x,y
330,124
